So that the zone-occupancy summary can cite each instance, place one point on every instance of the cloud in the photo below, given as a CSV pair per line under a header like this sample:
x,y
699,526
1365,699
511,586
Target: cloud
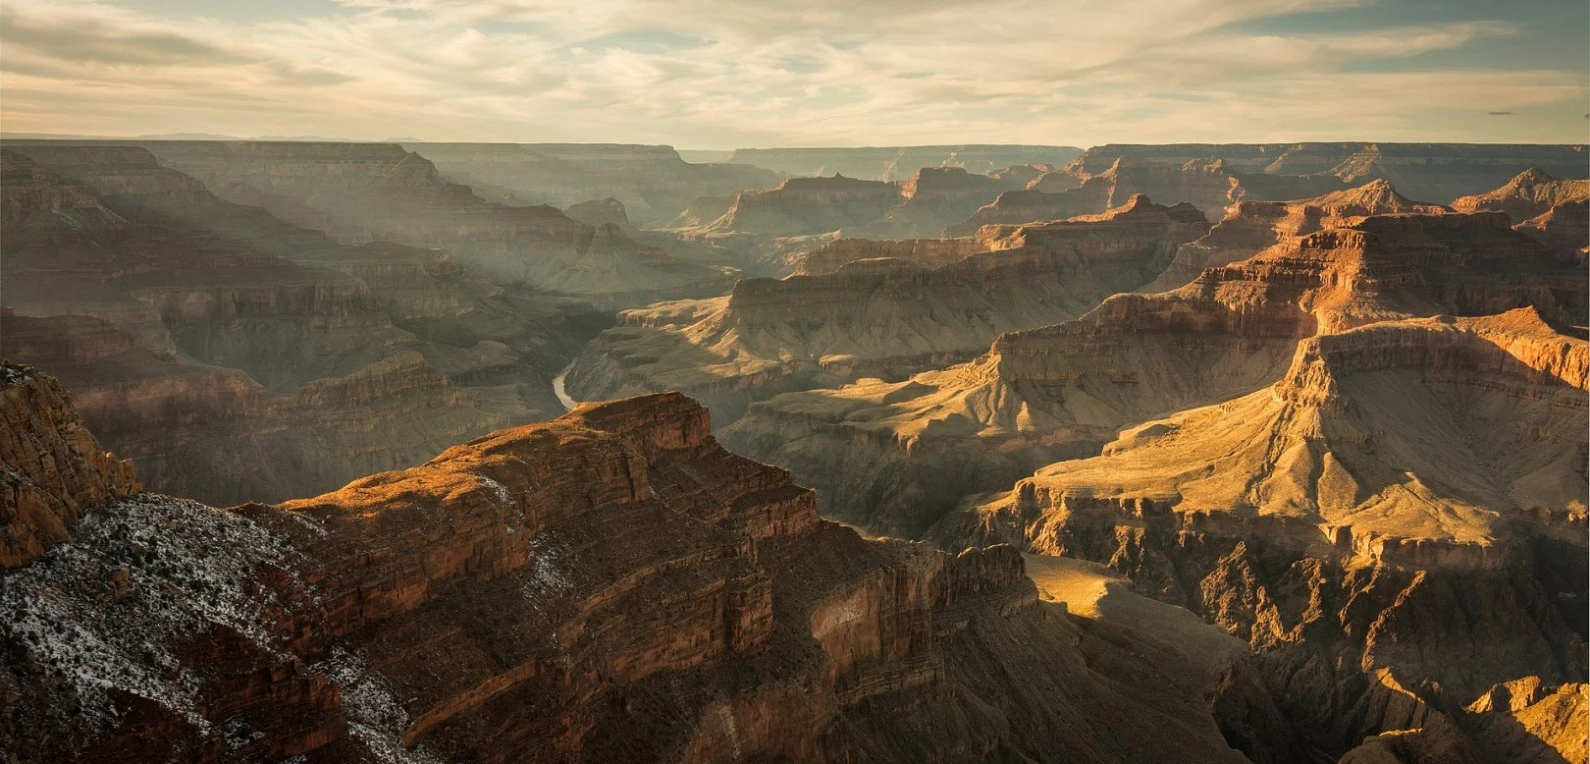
x,y
707,73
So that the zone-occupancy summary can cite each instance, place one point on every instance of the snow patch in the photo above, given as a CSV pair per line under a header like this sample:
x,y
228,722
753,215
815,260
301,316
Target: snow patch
x,y
104,611
375,717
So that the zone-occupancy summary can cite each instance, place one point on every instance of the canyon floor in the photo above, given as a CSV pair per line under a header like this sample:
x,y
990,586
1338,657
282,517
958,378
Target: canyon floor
x,y
584,452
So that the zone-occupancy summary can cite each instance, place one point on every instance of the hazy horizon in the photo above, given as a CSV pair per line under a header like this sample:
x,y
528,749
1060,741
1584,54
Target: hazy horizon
x,y
699,76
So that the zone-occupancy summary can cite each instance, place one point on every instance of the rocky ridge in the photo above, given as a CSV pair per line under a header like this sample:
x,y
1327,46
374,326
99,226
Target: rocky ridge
x,y
185,323
892,455
880,316
612,586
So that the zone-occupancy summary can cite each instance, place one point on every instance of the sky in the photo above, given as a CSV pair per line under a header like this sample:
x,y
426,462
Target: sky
x,y
720,74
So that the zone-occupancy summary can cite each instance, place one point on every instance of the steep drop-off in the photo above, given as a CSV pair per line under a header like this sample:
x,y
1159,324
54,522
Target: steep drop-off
x,y
189,324
881,316
652,182
359,192
1555,211
612,586
1439,172
1396,527
892,456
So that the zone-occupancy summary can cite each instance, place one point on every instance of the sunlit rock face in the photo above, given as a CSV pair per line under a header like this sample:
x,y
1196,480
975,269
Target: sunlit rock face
x,y
892,455
881,309
1555,211
542,594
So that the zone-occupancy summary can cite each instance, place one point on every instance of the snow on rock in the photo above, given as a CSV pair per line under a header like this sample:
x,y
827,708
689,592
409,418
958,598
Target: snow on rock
x,y
104,612
374,716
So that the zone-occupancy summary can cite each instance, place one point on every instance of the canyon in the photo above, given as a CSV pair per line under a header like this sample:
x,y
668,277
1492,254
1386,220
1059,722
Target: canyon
x,y
650,595
896,308
221,346
1206,452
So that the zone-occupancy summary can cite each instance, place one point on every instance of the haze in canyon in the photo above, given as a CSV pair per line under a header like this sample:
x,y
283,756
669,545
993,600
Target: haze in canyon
x,y
421,381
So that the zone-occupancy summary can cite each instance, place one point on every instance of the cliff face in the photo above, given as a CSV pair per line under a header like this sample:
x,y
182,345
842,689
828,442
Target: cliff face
x,y
1439,172
884,317
612,586
364,192
1554,211
808,206
935,198
899,162
652,182
55,471
1065,390
1208,184
1250,227
1332,519
185,324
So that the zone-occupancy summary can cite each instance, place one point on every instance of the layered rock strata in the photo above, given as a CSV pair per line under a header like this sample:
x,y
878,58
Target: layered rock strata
x,y
880,316
365,192
1556,211
188,323
612,586
892,456
653,182
1439,172
1396,527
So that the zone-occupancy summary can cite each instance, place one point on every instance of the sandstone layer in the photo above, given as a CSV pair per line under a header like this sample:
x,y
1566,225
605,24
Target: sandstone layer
x,y
1556,211
891,456
892,312
1407,505
1250,227
612,586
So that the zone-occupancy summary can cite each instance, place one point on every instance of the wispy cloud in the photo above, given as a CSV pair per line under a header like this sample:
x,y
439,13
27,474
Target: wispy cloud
x,y
707,73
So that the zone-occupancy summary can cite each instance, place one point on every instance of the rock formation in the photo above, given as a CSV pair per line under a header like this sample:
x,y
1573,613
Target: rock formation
x,y
1250,227
652,182
800,206
934,199
362,192
897,163
55,471
892,456
1397,471
612,586
880,315
229,352
1554,211
1210,185
1439,172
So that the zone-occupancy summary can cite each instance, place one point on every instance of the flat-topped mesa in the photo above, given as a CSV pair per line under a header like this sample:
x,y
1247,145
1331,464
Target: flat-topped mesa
x,y
52,470
885,316
1517,345
927,253
1250,227
808,206
599,212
